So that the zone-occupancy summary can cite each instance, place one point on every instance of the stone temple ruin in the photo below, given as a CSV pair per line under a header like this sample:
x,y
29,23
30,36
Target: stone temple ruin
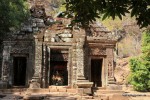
x,y
46,52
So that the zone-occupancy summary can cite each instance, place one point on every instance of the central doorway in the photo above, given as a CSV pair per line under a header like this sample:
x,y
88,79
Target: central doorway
x,y
19,69
96,72
58,73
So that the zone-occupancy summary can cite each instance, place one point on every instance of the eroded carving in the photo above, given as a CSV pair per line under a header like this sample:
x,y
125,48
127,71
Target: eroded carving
x,y
5,70
110,69
98,51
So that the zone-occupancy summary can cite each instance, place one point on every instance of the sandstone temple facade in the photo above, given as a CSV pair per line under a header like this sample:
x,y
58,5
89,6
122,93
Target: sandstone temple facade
x,y
48,53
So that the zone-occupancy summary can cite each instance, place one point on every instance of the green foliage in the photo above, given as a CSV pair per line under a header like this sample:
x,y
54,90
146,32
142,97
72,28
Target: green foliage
x,y
146,46
86,11
140,67
12,13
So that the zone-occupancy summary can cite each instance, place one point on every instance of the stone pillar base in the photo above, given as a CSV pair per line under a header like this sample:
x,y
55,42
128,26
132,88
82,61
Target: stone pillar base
x,y
84,87
3,85
34,83
111,80
114,87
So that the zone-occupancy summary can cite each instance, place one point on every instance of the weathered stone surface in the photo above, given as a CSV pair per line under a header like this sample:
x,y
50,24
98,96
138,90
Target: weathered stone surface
x,y
46,46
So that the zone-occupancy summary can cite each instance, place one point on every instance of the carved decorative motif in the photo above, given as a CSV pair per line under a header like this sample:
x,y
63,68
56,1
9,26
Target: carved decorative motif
x,y
98,51
110,68
80,57
20,50
6,68
74,66
38,61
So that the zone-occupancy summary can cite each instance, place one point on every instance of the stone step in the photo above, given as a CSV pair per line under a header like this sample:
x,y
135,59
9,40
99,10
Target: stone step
x,y
62,89
109,91
98,88
12,90
42,91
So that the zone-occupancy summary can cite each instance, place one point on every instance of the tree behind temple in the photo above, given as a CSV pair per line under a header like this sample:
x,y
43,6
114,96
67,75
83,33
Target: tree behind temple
x,y
140,67
12,13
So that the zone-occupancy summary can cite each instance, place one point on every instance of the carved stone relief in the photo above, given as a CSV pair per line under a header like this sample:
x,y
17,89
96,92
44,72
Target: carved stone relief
x,y
20,50
74,66
98,51
110,69
5,70
80,58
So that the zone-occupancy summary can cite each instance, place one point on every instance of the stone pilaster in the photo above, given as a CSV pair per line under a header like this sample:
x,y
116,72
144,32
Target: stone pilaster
x,y
74,66
69,67
44,69
84,86
5,63
80,59
110,66
36,79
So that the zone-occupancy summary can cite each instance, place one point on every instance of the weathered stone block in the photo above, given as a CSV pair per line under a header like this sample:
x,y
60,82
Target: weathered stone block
x,y
62,90
3,85
66,35
34,85
67,39
53,90
26,29
35,29
40,25
72,90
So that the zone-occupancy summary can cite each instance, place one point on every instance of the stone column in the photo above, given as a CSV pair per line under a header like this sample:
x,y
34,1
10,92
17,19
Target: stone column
x,y
44,69
69,68
6,66
80,59
84,86
74,66
36,79
110,65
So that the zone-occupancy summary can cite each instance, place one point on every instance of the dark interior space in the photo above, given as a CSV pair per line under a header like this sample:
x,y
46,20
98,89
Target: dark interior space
x,y
19,68
96,71
58,73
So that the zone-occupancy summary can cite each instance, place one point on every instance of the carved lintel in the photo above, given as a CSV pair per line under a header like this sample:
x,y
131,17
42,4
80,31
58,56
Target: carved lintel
x,y
98,51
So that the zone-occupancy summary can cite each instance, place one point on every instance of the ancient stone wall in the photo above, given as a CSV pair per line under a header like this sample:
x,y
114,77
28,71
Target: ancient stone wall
x,y
1,50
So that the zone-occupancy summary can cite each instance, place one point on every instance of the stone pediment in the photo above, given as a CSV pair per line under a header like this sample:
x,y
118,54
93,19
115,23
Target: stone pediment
x,y
98,31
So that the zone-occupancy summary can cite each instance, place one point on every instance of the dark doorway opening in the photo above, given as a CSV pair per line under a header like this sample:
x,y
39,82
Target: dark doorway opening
x,y
58,73
96,72
20,64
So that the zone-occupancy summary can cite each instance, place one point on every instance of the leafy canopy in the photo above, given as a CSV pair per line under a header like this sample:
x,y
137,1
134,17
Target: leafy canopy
x,y
12,13
86,11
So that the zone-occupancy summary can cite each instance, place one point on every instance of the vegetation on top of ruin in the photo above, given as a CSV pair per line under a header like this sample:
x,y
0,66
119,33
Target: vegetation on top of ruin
x,y
12,14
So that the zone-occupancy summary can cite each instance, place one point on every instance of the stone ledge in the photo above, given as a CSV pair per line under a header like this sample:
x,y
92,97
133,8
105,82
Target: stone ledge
x,y
84,84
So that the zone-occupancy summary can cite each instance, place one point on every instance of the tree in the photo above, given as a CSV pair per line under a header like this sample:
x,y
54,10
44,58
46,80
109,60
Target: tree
x,y
12,13
140,67
86,11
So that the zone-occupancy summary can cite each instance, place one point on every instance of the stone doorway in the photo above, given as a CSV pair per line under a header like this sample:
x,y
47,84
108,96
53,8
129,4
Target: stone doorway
x,y
58,73
19,71
96,72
